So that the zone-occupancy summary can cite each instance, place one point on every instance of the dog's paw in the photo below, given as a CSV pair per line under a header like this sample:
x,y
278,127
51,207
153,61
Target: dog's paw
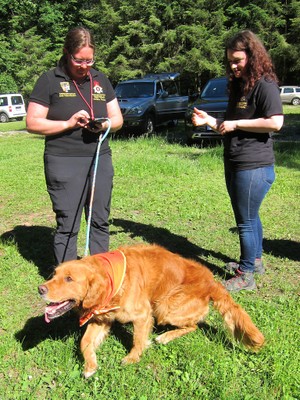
x,y
162,339
89,373
130,359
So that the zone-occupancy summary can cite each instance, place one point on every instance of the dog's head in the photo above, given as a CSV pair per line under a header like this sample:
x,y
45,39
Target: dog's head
x,y
80,283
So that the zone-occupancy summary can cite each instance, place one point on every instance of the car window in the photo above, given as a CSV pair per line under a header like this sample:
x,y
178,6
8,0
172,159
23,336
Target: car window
x,y
3,101
134,90
297,90
171,88
16,100
215,89
288,90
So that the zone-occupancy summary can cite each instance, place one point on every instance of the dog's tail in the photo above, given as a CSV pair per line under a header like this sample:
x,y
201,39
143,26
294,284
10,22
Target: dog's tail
x,y
236,318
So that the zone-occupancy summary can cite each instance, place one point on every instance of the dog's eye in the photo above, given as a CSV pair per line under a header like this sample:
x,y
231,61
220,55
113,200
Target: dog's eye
x,y
68,279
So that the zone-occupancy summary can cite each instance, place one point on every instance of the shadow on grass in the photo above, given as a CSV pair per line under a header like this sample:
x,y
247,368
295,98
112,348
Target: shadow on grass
x,y
282,248
36,330
124,333
35,244
286,153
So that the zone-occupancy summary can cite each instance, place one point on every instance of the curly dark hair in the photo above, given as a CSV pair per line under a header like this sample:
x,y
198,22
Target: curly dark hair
x,y
259,62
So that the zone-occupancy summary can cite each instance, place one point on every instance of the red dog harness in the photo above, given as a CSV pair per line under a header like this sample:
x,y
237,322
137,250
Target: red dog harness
x,y
114,263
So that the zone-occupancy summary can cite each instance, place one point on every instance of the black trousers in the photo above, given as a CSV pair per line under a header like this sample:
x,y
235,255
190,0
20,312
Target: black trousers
x,y
69,184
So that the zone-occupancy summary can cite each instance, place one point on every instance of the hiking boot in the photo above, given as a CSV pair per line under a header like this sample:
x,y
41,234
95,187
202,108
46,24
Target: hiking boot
x,y
241,281
259,268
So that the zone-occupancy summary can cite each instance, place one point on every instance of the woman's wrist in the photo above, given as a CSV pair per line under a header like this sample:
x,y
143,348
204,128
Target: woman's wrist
x,y
65,126
212,122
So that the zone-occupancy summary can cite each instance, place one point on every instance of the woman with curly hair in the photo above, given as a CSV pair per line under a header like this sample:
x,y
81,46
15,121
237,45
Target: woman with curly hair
x,y
254,111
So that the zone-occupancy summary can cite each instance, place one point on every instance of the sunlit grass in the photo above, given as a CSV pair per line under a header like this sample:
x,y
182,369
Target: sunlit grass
x,y
173,195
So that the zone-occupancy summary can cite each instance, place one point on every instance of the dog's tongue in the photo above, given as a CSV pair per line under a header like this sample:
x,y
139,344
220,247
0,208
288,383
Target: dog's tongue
x,y
52,309
49,310
46,318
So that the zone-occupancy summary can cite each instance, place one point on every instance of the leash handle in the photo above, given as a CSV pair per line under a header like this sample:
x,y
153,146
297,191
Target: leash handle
x,y
102,137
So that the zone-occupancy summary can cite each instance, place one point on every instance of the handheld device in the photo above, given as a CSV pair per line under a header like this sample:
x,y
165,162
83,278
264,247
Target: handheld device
x,y
95,123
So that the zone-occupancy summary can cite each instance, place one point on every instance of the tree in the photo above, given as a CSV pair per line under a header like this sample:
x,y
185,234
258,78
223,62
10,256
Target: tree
x,y
134,37
7,84
32,55
291,62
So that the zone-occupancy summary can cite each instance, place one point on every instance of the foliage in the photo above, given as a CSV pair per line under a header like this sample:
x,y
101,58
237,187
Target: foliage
x,y
7,84
135,37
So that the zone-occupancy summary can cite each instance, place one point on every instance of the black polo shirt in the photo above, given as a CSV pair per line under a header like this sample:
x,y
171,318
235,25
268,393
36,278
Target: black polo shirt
x,y
56,90
248,150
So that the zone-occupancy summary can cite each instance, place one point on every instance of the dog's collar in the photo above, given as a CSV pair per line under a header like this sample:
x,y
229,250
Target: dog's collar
x,y
114,263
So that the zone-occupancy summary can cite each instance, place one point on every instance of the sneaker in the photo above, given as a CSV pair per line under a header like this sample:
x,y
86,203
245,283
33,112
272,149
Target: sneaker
x,y
259,268
241,281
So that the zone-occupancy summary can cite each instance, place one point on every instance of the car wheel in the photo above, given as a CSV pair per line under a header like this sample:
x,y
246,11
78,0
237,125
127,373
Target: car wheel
x,y
296,101
3,117
190,142
149,125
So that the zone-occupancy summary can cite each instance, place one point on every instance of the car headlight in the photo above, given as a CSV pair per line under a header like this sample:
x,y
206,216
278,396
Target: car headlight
x,y
136,110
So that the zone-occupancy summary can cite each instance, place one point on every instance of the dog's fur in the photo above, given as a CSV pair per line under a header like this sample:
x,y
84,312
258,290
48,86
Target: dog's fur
x,y
158,285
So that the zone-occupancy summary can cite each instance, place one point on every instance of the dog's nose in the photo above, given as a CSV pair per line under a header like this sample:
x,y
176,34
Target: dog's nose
x,y
43,290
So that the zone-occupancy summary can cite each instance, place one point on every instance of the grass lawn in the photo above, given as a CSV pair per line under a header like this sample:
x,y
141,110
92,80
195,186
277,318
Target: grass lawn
x,y
173,195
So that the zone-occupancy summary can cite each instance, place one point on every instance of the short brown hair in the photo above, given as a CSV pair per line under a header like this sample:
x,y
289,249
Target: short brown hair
x,y
77,38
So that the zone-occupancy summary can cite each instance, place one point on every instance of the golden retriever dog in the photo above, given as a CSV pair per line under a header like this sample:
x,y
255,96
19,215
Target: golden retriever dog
x,y
141,284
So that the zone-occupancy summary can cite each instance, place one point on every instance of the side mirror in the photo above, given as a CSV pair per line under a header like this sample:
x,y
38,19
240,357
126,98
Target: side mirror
x,y
164,94
193,97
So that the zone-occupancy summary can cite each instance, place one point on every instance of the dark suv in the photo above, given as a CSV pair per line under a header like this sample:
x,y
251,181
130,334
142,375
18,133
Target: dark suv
x,y
213,99
150,101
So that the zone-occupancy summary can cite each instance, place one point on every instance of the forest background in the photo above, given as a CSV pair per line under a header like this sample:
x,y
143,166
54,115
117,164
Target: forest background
x,y
134,37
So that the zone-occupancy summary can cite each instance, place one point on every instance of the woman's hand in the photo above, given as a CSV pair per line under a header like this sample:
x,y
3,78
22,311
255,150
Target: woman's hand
x,y
37,120
199,117
79,119
227,126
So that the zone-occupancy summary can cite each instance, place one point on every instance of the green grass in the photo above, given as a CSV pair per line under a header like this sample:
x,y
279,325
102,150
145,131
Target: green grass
x,y
13,126
173,195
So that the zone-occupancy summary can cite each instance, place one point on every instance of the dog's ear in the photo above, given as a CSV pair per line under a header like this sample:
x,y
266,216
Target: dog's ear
x,y
96,292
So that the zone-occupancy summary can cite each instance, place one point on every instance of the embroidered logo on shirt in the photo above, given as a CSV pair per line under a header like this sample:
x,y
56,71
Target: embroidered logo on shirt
x,y
242,103
65,86
97,88
98,92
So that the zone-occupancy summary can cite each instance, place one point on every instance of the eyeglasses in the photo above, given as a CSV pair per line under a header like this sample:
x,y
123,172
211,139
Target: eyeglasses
x,y
76,61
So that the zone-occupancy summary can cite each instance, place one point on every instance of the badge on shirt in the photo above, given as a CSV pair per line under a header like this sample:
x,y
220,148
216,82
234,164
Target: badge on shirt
x,y
97,88
242,104
65,86
98,92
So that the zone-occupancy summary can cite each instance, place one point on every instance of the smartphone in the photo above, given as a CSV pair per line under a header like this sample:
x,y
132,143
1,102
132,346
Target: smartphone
x,y
95,123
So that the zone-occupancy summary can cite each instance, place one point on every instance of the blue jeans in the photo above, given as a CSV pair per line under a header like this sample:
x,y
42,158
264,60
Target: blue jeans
x,y
247,189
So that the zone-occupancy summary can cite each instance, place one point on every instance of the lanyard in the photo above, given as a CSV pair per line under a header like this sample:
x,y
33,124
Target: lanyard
x,y
90,106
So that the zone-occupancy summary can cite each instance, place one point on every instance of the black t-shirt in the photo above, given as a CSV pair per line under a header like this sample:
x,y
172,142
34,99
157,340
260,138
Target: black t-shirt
x,y
248,150
55,89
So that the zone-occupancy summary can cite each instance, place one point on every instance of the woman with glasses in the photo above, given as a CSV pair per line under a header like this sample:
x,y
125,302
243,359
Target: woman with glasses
x,y
62,107
254,111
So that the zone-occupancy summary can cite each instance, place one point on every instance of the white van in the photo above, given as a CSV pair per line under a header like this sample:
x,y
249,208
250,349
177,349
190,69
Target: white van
x,y
12,107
